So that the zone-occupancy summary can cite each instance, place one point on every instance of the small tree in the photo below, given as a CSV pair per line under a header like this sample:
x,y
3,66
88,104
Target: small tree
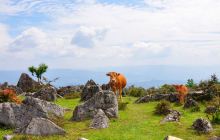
x,y
38,72
190,83
214,79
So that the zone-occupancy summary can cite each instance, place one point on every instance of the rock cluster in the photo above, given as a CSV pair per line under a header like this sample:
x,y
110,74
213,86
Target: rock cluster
x,y
172,97
24,116
100,107
105,100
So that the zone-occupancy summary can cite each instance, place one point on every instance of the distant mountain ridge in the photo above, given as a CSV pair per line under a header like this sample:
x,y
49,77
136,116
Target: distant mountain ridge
x,y
145,76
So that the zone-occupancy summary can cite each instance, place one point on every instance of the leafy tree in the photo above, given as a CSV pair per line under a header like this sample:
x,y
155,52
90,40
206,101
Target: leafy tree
x,y
214,79
38,71
190,83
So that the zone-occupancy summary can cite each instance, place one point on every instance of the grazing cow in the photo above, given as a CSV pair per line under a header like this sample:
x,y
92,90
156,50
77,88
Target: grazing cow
x,y
183,91
117,82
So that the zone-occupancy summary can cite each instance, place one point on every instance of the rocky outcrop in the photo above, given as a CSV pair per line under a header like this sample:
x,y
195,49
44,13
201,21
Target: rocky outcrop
x,y
173,97
42,127
20,115
105,100
100,120
47,93
69,89
26,83
89,90
157,97
202,126
173,116
190,103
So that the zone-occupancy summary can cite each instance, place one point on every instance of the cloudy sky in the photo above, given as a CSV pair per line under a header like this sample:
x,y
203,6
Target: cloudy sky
x,y
89,34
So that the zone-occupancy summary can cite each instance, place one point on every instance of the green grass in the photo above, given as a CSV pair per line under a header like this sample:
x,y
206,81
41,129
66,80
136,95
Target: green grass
x,y
136,122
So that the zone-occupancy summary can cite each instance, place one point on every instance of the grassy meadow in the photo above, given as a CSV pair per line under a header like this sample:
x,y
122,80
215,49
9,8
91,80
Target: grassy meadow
x,y
136,122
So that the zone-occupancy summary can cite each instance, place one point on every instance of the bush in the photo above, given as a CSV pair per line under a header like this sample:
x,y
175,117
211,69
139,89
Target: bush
x,y
213,110
163,108
9,95
167,89
72,95
136,91
122,106
195,109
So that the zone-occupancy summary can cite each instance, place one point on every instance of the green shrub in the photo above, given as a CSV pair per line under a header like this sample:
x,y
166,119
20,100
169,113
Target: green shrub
x,y
163,108
72,95
195,109
213,110
166,89
122,106
136,91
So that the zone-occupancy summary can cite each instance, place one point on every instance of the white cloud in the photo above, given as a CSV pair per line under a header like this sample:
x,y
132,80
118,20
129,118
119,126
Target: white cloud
x,y
90,34
4,36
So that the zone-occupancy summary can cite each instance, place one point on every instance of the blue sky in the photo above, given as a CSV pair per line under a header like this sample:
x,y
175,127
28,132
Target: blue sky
x,y
92,34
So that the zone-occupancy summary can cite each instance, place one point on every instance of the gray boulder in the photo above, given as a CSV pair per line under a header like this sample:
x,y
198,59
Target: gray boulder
x,y
172,138
42,127
47,93
100,120
190,103
20,115
8,137
26,83
202,126
70,89
89,90
173,116
105,100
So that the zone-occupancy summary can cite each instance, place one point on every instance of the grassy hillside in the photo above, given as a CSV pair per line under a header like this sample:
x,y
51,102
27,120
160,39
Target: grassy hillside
x,y
136,122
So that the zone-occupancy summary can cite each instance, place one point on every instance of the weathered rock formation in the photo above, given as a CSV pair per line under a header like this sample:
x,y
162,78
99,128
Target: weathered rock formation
x,y
47,93
26,83
202,126
100,120
20,116
89,90
105,100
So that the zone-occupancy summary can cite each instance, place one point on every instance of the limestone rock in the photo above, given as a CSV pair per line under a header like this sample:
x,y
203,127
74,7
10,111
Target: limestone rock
x,y
47,93
19,115
100,120
105,100
26,83
42,127
89,90
202,125
8,137
174,115
172,138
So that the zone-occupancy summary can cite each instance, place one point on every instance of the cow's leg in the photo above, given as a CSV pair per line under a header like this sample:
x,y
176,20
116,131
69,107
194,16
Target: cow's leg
x,y
120,93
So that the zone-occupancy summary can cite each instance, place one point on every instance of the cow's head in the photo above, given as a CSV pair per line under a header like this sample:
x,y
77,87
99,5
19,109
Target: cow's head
x,y
113,76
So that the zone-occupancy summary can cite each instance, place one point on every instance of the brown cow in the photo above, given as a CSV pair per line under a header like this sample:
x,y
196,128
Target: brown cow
x,y
117,82
183,91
